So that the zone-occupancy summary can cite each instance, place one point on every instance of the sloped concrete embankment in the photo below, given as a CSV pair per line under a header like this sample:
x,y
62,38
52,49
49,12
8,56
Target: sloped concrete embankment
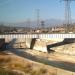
x,y
67,47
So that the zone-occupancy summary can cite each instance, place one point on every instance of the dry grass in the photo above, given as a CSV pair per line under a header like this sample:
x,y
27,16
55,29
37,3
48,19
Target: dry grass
x,y
6,72
4,60
15,63
40,71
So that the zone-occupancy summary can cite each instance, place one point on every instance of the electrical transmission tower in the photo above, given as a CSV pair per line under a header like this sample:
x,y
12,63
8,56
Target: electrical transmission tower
x,y
28,23
42,24
67,15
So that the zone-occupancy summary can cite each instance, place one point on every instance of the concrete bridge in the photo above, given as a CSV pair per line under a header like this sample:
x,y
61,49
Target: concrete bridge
x,y
40,41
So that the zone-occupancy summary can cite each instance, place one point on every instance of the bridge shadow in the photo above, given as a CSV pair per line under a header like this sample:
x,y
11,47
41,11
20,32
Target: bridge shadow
x,y
64,42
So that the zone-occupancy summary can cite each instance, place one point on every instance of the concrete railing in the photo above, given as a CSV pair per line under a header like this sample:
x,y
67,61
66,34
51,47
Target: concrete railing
x,y
37,36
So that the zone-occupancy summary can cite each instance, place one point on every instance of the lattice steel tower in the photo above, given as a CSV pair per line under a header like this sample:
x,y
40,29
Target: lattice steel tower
x,y
67,15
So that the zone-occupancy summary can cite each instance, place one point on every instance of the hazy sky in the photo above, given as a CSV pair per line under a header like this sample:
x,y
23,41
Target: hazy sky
x,y
20,10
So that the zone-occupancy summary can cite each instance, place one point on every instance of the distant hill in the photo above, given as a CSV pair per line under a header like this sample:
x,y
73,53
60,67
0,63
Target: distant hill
x,y
48,23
